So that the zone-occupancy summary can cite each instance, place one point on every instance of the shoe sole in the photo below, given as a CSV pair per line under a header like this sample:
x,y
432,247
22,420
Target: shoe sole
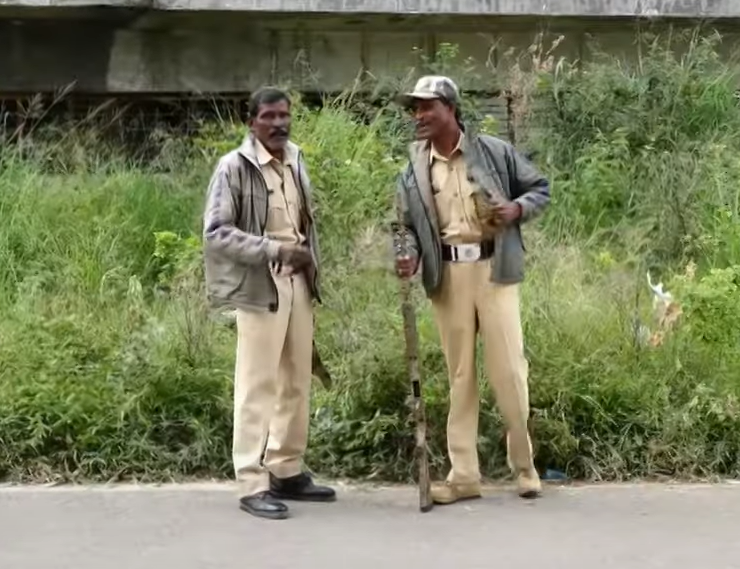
x,y
463,499
289,498
530,495
265,515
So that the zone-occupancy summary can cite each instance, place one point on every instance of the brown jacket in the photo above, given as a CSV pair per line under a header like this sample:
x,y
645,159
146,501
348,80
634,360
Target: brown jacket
x,y
237,254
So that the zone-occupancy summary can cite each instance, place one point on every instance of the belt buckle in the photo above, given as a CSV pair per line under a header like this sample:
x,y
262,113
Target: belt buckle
x,y
468,252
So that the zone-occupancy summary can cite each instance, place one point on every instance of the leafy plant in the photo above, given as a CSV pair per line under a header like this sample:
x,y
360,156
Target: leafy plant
x,y
113,367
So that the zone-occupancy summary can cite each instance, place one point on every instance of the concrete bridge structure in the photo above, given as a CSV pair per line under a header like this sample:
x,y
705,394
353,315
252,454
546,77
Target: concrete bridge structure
x,y
156,54
142,47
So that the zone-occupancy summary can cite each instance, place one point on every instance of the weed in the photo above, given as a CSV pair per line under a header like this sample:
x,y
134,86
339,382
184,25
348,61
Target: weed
x,y
113,367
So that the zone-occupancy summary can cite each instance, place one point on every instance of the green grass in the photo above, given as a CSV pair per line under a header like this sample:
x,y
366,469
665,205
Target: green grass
x,y
112,367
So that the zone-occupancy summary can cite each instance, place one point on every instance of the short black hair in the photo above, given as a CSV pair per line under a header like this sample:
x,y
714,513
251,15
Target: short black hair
x,y
265,96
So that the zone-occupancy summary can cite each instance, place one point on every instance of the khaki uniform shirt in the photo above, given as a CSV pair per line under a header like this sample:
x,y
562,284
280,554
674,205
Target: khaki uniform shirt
x,y
453,196
284,203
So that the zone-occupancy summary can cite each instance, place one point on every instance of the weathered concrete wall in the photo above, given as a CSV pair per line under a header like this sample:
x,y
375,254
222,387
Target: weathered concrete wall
x,y
603,8
129,50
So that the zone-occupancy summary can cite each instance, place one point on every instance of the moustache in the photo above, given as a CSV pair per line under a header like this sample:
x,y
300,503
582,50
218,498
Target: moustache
x,y
279,133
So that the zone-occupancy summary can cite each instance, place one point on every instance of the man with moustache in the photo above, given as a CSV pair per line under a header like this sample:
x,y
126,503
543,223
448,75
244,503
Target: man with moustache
x,y
472,280
262,259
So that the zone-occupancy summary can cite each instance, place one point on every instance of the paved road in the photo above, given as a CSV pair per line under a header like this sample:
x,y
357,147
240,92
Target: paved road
x,y
200,527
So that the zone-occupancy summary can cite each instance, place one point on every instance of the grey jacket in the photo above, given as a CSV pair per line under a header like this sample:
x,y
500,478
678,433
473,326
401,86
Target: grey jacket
x,y
236,252
490,162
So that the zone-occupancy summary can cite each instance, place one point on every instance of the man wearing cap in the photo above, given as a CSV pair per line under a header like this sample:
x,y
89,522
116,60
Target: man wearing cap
x,y
471,270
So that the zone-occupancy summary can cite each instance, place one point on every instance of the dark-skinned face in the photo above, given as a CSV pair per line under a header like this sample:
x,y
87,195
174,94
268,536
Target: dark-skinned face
x,y
432,118
271,126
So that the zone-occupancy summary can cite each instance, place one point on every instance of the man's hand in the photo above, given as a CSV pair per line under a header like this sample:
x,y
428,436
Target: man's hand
x,y
507,213
297,257
406,266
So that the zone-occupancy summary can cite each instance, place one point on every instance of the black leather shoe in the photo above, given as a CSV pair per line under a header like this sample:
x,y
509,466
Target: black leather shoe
x,y
300,487
264,505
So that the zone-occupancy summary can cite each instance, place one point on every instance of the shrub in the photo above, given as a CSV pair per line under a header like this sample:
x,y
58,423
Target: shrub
x,y
113,367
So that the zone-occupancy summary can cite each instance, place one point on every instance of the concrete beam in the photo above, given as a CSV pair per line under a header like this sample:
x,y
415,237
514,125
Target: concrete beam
x,y
571,8
40,4
148,51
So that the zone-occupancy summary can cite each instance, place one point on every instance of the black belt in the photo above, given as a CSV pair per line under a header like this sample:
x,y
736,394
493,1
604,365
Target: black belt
x,y
469,252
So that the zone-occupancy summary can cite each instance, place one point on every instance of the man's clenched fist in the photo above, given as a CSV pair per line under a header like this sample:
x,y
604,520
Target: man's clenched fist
x,y
295,256
406,266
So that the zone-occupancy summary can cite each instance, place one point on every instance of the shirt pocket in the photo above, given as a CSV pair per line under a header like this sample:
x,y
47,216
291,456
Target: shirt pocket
x,y
444,204
278,218
468,191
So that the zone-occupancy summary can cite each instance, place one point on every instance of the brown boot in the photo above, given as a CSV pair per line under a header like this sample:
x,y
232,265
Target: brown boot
x,y
529,485
448,493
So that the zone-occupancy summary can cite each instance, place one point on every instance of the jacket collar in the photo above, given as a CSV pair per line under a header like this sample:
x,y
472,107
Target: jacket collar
x,y
250,149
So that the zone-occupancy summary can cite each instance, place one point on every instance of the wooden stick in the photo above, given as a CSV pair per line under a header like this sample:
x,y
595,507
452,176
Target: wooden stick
x,y
412,359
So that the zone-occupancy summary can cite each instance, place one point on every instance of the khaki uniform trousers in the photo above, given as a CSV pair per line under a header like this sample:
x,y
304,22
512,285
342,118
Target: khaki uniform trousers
x,y
272,387
469,302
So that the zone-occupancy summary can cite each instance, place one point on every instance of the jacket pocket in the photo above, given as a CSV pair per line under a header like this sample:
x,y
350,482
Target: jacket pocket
x,y
223,277
257,288
521,237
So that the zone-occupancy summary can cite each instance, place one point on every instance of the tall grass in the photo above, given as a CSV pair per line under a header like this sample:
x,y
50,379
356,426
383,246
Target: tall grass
x,y
111,365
